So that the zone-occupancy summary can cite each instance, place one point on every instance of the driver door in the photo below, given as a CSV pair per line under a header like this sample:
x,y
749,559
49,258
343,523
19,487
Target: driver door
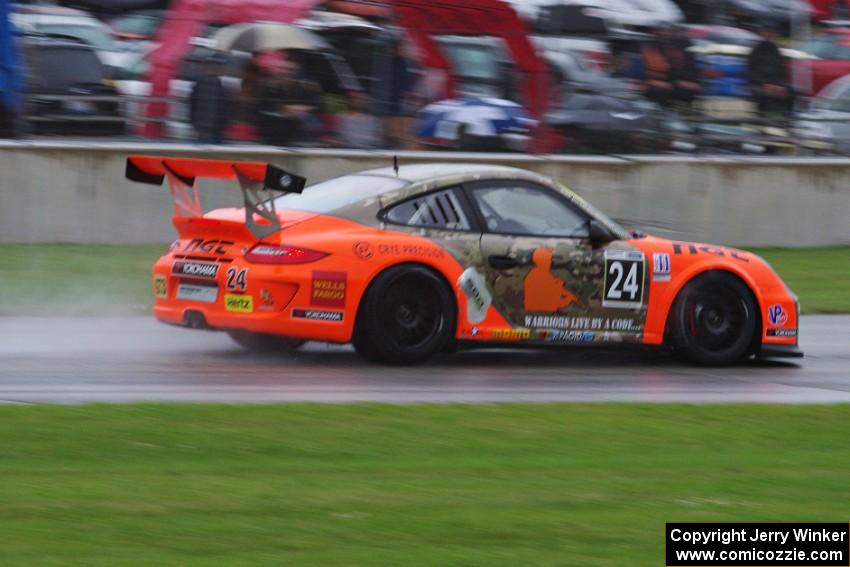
x,y
545,275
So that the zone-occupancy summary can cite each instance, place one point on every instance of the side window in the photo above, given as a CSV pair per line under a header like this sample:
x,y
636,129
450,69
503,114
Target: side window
x,y
522,208
434,210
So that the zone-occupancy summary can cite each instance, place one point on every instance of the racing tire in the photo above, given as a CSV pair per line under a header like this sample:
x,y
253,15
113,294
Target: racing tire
x,y
714,320
407,315
260,342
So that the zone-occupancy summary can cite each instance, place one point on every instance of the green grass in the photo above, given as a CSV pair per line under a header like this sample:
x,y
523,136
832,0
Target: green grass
x,y
820,276
379,485
79,278
76,278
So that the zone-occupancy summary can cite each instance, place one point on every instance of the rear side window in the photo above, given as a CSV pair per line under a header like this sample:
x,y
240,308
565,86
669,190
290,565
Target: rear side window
x,y
435,210
328,196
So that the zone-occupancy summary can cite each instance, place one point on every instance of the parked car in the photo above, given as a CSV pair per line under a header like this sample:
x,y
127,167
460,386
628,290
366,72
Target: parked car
x,y
72,24
133,28
778,13
67,90
578,30
481,66
829,9
132,83
572,72
617,13
599,123
832,49
362,44
825,125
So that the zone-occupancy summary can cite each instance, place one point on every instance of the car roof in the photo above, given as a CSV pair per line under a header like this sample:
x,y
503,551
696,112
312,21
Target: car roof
x,y
46,41
427,172
53,20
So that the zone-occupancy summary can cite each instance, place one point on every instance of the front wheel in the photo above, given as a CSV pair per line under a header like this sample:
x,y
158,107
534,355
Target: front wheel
x,y
406,316
260,342
714,320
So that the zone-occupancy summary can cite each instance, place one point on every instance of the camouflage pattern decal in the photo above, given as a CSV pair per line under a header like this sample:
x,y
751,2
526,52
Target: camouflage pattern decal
x,y
558,289
543,291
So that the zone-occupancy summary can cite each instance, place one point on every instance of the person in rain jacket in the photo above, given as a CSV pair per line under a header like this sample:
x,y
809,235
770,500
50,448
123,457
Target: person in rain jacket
x,y
768,77
209,103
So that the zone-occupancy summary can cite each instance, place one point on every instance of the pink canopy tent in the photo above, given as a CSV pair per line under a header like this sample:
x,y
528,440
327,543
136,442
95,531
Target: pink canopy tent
x,y
186,19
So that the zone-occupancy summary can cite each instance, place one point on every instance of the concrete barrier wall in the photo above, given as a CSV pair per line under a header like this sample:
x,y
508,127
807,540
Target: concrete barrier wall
x,y
65,192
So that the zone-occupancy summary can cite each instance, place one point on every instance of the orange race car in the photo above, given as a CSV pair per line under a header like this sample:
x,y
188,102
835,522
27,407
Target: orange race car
x,y
407,261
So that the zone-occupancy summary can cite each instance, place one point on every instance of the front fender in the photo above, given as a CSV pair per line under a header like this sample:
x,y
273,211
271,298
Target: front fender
x,y
689,260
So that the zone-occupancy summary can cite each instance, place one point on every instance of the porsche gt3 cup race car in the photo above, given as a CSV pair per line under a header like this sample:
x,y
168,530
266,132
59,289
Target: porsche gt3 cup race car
x,y
407,261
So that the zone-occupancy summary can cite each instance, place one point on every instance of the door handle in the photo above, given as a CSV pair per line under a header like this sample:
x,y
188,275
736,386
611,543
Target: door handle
x,y
503,262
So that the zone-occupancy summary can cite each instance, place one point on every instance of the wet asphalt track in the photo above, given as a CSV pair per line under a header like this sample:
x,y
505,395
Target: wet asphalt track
x,y
125,359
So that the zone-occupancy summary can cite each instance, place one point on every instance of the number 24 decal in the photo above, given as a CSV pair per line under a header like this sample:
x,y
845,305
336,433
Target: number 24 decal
x,y
237,279
624,275
619,287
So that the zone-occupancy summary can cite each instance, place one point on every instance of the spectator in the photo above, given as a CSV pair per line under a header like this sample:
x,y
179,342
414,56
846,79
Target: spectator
x,y
253,76
670,71
7,120
286,108
768,77
395,99
683,69
357,128
656,68
208,103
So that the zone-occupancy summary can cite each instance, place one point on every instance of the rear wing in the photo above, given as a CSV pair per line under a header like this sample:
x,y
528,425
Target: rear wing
x,y
260,184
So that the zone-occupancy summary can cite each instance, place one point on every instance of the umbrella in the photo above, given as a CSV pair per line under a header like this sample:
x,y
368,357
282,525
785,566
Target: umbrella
x,y
267,36
485,117
601,112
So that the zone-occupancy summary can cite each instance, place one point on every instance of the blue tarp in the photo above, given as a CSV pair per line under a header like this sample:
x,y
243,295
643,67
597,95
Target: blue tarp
x,y
11,77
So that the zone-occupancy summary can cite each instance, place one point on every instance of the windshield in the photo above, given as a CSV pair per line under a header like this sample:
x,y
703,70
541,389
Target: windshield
x,y
61,67
828,46
337,193
474,61
92,35
137,24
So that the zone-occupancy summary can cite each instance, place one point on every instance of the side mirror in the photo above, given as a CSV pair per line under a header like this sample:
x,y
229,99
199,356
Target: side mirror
x,y
598,233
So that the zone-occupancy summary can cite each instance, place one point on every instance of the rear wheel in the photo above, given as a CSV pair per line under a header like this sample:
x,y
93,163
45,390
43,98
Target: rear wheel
x,y
407,315
714,320
260,342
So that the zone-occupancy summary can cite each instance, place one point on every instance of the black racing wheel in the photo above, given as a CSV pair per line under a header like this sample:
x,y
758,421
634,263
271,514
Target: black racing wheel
x,y
407,314
261,342
714,319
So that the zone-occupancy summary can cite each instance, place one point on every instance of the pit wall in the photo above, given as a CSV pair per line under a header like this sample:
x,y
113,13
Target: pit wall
x,y
67,192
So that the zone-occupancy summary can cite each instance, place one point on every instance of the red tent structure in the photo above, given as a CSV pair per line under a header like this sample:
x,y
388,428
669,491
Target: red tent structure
x,y
424,19
187,19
